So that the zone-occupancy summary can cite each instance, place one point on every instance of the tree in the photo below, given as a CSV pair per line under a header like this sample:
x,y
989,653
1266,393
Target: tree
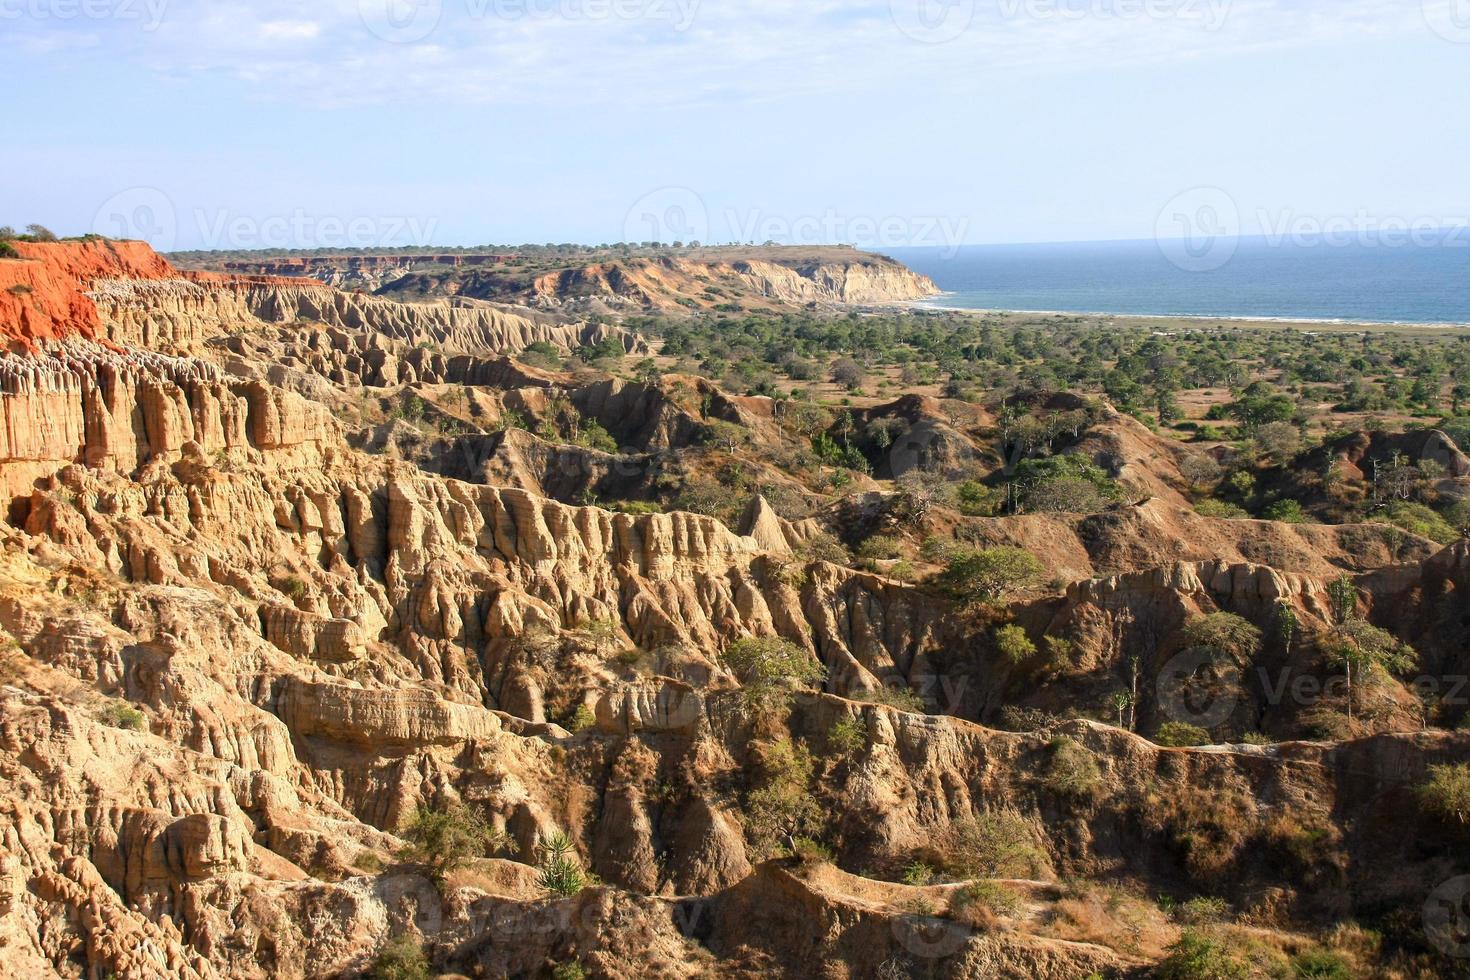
x,y
1343,595
1201,470
1361,648
1447,794
770,668
1014,644
726,434
41,233
1278,440
1225,635
783,810
1123,701
448,839
990,575
401,958
848,373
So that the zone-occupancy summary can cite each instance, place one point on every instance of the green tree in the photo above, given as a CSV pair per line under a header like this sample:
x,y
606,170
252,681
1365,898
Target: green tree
x,y
771,668
991,575
1360,649
400,958
783,809
447,839
1014,644
1447,794
1226,635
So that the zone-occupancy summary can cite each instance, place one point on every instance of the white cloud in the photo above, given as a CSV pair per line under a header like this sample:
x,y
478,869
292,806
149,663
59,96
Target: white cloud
x,y
641,52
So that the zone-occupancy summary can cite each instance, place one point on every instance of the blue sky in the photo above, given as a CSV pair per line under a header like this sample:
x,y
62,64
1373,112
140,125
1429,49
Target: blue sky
x,y
884,122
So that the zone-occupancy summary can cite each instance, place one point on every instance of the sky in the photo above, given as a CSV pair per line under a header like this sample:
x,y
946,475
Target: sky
x,y
882,123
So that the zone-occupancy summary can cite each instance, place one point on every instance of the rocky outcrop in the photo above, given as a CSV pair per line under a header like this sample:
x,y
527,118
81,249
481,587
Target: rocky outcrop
x,y
43,293
84,403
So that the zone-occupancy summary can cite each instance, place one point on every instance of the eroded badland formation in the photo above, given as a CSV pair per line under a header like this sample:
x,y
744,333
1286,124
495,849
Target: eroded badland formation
x,y
352,626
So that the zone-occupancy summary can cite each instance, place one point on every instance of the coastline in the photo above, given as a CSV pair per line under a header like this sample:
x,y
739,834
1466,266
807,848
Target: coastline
x,y
934,304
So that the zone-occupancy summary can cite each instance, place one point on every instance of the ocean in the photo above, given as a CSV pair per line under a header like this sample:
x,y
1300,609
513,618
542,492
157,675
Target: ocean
x,y
1389,280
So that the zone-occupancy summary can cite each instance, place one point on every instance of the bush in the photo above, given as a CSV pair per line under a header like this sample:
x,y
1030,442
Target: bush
x,y
770,668
7,251
1176,734
1286,512
1072,771
1321,964
401,958
1202,911
448,839
991,575
1195,957
1225,635
1221,508
1447,794
559,872
997,843
568,971
918,874
1420,520
783,809
1014,644
987,895
582,719
978,500
895,697
847,736
120,714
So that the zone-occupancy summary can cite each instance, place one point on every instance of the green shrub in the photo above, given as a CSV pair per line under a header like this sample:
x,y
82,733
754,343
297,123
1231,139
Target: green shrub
x,y
996,843
991,575
581,719
1321,964
1195,957
447,839
770,668
1225,635
1203,910
120,714
1176,734
1419,519
918,873
568,971
1072,771
7,251
1014,644
1286,512
988,895
559,872
1447,794
1221,508
847,736
401,958
894,697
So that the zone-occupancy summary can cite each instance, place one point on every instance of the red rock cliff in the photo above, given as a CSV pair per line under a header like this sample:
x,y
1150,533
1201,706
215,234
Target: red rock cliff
x,y
43,293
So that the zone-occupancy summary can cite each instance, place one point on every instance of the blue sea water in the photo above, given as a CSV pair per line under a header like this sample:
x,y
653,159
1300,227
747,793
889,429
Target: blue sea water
x,y
1387,281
